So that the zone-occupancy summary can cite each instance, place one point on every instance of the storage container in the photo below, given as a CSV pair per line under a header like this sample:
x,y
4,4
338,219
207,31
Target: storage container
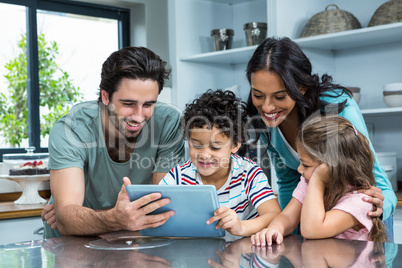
x,y
392,93
389,12
330,21
255,32
223,38
356,93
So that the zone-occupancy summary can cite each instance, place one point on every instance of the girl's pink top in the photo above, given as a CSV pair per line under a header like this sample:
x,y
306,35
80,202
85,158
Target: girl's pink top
x,y
351,203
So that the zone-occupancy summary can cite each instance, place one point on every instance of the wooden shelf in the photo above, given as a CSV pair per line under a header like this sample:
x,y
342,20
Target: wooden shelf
x,y
230,2
363,37
230,56
382,111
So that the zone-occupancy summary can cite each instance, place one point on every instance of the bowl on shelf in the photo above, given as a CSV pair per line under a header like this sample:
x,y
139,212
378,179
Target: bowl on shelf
x,y
356,93
393,87
393,94
330,21
389,12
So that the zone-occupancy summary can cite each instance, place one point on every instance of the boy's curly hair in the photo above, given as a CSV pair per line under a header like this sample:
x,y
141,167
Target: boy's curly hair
x,y
221,109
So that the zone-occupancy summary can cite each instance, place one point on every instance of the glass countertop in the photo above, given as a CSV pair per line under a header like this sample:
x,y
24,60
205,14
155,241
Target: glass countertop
x,y
203,252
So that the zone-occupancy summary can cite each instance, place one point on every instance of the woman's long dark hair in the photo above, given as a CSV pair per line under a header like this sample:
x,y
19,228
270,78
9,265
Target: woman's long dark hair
x,y
285,58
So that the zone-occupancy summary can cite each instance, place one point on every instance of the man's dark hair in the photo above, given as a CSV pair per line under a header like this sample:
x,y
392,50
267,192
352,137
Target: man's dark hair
x,y
133,63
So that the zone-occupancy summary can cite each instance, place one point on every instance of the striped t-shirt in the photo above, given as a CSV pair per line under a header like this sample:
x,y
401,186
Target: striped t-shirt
x,y
245,189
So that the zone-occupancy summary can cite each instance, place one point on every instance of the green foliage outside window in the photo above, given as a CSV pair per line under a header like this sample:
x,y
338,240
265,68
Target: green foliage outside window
x,y
57,93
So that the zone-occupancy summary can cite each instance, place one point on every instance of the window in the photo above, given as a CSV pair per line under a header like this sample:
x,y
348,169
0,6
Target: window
x,y
51,55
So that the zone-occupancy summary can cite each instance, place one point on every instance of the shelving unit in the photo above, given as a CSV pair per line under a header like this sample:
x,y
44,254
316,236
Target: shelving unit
x,y
230,2
383,111
230,56
358,38
196,66
377,35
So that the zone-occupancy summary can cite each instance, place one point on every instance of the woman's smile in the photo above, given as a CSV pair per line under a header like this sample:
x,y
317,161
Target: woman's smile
x,y
270,97
271,116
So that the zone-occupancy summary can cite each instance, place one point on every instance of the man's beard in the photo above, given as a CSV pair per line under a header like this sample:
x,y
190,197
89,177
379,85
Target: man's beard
x,y
118,124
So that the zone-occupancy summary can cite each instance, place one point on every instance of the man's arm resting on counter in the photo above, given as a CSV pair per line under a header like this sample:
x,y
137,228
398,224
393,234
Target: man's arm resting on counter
x,y
72,218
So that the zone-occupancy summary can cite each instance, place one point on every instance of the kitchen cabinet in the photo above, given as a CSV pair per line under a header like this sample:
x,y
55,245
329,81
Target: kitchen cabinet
x,y
22,229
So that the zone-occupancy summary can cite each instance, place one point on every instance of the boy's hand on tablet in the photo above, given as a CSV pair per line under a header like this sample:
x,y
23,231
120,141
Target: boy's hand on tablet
x,y
228,220
133,215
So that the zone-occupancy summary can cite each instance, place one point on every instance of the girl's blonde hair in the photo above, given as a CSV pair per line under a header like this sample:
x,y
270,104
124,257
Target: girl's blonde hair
x,y
333,140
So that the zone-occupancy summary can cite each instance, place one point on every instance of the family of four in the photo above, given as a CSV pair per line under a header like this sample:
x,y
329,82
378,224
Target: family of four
x,y
330,181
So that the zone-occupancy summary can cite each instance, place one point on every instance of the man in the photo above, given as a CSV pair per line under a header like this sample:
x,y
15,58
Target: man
x,y
126,133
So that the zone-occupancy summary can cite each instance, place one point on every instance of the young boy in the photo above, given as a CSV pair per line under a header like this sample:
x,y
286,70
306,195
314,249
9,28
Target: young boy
x,y
214,125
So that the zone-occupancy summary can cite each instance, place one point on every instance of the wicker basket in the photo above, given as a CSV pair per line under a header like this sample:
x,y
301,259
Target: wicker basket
x,y
389,12
330,21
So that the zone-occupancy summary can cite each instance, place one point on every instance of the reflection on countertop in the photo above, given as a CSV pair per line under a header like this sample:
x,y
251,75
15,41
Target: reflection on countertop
x,y
203,252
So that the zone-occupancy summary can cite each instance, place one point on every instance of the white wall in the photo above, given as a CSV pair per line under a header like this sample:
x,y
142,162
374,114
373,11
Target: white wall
x,y
149,24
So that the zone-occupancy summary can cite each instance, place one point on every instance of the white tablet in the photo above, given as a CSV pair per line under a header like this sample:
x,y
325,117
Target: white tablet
x,y
193,206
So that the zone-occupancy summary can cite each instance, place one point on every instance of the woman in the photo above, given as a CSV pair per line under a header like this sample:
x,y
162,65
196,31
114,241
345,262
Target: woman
x,y
284,92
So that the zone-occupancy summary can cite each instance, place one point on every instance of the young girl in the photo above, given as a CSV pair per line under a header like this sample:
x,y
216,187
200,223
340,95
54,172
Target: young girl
x,y
214,125
335,162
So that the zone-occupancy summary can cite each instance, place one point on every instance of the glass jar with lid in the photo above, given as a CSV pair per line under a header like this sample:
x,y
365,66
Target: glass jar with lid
x,y
29,163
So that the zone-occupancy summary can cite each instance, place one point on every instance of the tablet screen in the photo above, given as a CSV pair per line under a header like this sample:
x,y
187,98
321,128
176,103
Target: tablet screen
x,y
193,206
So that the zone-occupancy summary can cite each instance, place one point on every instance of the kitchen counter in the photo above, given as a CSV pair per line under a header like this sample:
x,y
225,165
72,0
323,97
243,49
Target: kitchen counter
x,y
207,252
9,210
399,196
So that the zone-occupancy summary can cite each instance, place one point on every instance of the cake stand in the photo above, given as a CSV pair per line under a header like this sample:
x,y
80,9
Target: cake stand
x,y
29,185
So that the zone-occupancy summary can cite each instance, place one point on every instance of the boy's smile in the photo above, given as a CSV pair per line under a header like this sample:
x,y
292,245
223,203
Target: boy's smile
x,y
210,152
